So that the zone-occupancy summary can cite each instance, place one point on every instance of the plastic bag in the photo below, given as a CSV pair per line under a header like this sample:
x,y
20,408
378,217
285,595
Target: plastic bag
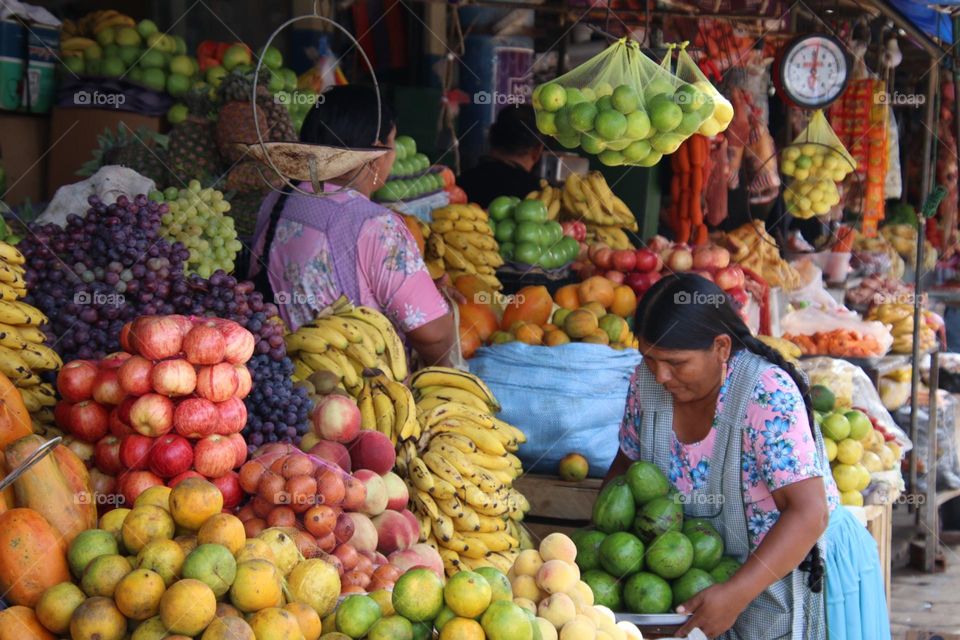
x,y
853,390
948,463
812,292
839,332
817,162
688,71
566,399
622,107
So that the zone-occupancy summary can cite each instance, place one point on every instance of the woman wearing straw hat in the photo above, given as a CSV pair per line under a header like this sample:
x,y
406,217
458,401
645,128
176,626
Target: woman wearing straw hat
x,y
309,250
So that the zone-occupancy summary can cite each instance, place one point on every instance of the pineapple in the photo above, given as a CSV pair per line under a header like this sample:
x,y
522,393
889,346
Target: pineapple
x,y
193,151
143,151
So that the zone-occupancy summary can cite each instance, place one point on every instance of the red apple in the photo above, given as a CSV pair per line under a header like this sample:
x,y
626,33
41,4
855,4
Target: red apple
x,y
107,389
135,451
739,297
238,342
180,477
641,281
336,418
61,414
75,380
229,485
106,455
680,259
584,253
105,485
614,276
119,428
239,449
132,483
213,456
710,257
89,420
125,342
175,377
204,344
217,382
123,409
594,248
171,455
658,243
244,381
186,324
233,416
152,415
730,278
113,360
625,260
647,260
134,375
604,259
196,418
575,229
156,337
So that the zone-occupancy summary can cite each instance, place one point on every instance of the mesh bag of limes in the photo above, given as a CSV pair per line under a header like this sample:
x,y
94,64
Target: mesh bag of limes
x,y
623,107
815,163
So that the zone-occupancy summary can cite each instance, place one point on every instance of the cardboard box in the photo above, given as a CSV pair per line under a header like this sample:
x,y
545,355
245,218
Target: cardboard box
x,y
73,137
24,141
28,66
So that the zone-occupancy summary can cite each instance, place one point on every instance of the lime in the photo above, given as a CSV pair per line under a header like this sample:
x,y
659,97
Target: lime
x,y
689,98
561,120
530,211
591,143
582,116
647,593
652,158
636,151
468,594
570,141
638,125
391,628
664,114
670,555
836,427
546,123
656,87
604,104
500,208
860,426
503,620
618,145
690,584
588,549
610,158
621,554
505,230
535,97
357,614
574,96
112,67
849,451
724,569
499,583
625,99
689,124
552,97
606,588
603,89
666,143
418,595
831,448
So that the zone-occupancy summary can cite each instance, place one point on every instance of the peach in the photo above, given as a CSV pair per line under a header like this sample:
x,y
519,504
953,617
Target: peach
x,y
528,605
556,576
376,501
580,628
373,450
557,546
419,555
547,630
365,535
558,609
582,594
337,418
528,563
332,452
397,493
412,519
527,587
394,531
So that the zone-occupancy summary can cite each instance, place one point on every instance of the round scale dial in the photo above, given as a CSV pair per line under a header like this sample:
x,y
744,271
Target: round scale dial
x,y
814,70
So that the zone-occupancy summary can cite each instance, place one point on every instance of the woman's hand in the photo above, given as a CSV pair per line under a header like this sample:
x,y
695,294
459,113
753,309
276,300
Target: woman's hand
x,y
714,610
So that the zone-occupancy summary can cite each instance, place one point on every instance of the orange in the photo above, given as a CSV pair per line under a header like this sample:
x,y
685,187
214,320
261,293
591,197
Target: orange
x,y
624,301
144,524
555,338
473,288
596,289
468,594
567,296
530,334
187,607
477,317
307,619
57,605
225,529
193,501
462,629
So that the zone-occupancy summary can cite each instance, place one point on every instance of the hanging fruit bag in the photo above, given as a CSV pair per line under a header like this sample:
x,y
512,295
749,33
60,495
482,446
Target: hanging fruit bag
x,y
722,113
622,107
816,163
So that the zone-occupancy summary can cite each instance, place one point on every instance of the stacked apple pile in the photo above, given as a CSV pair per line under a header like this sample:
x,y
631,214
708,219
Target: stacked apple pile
x,y
342,496
168,407
641,268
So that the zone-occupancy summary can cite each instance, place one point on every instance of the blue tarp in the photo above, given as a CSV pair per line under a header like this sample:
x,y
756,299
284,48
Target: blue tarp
x,y
930,21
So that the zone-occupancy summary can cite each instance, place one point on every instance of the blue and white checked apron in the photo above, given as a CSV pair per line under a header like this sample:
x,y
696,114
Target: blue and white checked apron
x,y
788,608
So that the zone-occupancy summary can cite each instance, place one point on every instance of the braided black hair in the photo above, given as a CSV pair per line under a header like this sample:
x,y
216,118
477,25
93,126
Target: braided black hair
x,y
685,312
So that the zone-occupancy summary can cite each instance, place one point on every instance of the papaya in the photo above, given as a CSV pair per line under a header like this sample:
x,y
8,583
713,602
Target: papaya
x,y
8,498
14,418
20,623
614,509
32,556
57,487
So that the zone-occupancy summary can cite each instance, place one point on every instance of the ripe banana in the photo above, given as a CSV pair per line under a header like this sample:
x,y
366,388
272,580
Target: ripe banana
x,y
368,416
405,408
14,367
17,313
30,333
40,357
11,338
450,377
385,413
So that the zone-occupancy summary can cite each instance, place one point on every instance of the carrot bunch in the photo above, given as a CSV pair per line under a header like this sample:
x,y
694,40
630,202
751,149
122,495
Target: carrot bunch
x,y
686,190
843,343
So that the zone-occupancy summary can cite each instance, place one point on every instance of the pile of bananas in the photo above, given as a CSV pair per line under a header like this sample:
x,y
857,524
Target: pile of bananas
x,y
903,237
790,351
899,316
461,242
589,198
387,406
345,340
551,197
461,472
752,247
77,35
23,356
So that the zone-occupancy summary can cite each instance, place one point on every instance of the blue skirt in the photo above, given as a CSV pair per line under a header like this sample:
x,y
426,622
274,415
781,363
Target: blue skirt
x,y
856,604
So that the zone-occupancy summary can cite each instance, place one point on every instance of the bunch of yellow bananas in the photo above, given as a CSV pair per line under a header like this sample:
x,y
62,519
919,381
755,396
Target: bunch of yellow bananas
x,y
93,23
461,472
23,354
787,349
551,197
345,340
589,198
613,237
387,406
899,316
461,242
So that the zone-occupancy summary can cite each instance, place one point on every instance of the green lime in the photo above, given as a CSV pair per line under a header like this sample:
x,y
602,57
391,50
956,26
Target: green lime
x,y
552,97
625,99
610,124
647,593
582,116
356,615
670,556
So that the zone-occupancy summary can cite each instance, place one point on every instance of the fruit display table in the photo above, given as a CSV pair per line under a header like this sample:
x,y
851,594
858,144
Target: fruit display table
x,y
557,505
880,525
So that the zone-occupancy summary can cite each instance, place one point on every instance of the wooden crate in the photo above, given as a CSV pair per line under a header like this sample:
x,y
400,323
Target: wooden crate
x,y
556,505
880,526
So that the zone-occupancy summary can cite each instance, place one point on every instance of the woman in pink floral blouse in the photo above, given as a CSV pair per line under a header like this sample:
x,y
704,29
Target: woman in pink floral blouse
x,y
729,422
310,250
